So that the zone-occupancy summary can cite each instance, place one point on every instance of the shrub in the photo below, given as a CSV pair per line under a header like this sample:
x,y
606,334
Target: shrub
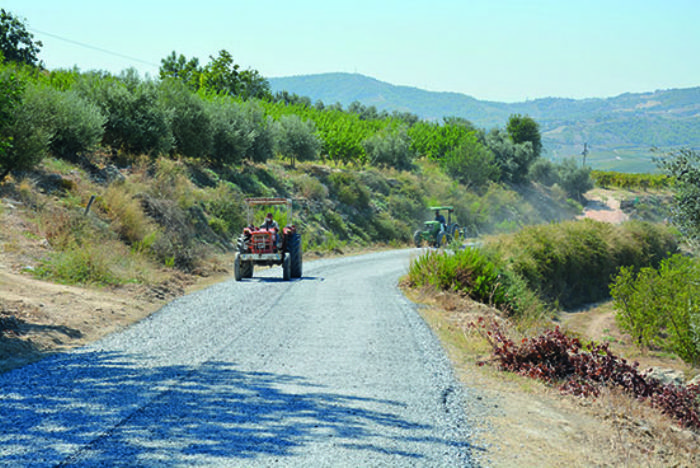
x,y
348,189
558,359
575,180
310,187
471,163
226,207
473,273
84,264
572,263
544,172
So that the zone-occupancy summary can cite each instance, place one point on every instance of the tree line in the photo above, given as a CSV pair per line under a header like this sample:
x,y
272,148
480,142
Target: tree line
x,y
223,115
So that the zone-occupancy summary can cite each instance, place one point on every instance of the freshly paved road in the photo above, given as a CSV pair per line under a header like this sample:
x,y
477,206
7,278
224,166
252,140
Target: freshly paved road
x,y
334,369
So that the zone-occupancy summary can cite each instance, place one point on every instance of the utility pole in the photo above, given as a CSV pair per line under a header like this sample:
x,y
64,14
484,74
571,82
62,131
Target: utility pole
x,y
585,153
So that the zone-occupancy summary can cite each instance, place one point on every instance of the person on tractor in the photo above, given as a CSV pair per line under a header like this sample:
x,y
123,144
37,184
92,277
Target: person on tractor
x,y
441,219
271,225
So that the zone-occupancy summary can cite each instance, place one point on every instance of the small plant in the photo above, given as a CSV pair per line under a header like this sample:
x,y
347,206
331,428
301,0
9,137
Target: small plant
x,y
80,265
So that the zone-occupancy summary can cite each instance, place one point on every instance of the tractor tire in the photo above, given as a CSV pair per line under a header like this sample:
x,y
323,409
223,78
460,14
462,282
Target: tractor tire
x,y
237,272
295,254
247,269
418,238
286,267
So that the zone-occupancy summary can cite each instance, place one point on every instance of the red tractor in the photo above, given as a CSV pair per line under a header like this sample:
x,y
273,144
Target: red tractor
x,y
267,244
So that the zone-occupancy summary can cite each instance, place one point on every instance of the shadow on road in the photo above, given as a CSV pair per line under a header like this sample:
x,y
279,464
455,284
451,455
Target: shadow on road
x,y
280,280
103,408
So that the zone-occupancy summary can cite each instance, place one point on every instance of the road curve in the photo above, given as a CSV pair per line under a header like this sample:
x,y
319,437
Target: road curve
x,y
334,369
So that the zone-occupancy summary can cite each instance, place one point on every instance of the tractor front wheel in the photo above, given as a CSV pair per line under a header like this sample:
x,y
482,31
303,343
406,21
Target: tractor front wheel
x,y
237,271
286,267
417,238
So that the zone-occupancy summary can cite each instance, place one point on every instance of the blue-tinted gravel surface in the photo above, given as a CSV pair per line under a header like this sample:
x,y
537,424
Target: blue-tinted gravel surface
x,y
334,369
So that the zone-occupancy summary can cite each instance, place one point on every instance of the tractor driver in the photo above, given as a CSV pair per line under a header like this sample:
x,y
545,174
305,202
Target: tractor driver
x,y
271,225
441,219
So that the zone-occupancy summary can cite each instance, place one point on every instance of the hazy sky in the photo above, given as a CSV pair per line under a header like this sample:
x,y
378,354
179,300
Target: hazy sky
x,y
502,50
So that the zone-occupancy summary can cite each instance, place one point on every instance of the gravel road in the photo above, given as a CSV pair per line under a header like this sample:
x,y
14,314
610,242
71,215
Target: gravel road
x,y
334,369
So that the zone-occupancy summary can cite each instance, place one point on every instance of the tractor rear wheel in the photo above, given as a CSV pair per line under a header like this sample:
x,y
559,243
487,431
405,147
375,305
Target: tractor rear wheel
x,y
295,255
286,267
247,269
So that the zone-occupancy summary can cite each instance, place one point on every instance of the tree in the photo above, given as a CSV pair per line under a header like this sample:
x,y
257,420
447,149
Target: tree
x,y
254,85
178,66
513,158
524,128
190,121
573,179
296,138
683,166
10,97
16,43
390,148
29,129
221,74
471,163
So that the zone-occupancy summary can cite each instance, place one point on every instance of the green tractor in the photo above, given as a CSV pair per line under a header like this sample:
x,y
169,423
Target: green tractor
x,y
439,232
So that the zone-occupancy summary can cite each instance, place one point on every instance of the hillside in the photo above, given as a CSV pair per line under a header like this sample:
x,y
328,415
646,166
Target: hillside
x,y
620,131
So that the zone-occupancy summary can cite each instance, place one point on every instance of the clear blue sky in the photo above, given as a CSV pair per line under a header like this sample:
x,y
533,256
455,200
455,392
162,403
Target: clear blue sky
x,y
502,50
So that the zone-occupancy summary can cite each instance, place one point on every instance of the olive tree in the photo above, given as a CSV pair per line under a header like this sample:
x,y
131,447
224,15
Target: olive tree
x,y
296,138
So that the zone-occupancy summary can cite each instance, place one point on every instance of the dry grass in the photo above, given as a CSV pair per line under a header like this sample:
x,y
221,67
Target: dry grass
x,y
126,213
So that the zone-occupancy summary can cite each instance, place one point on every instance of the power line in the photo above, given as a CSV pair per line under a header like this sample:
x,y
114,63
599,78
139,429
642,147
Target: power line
x,y
98,49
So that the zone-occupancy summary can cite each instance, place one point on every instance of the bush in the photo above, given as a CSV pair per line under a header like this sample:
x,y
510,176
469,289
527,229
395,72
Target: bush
x,y
544,172
348,189
83,264
472,272
573,262
310,187
471,163
582,370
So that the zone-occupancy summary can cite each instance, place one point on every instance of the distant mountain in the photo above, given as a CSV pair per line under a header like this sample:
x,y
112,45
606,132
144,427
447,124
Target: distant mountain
x,y
620,131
